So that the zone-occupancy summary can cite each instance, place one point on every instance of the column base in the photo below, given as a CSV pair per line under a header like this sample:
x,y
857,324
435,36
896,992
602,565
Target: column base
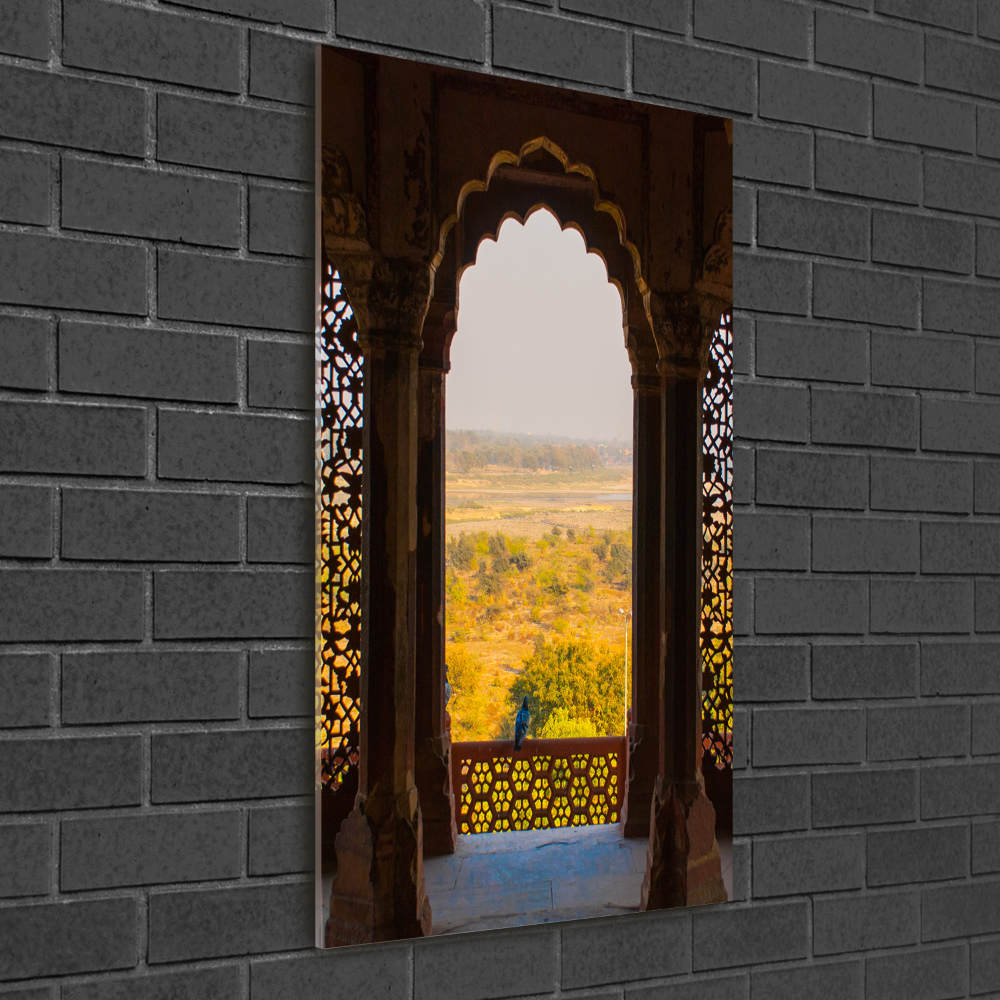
x,y
683,867
378,891
437,802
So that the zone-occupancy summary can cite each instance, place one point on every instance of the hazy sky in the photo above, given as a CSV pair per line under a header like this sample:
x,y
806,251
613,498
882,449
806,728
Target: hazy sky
x,y
539,332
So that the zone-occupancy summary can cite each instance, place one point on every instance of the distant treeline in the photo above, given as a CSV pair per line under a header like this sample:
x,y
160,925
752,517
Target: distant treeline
x,y
469,450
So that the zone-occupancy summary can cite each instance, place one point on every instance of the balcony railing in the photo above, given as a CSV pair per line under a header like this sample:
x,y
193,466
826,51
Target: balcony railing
x,y
547,783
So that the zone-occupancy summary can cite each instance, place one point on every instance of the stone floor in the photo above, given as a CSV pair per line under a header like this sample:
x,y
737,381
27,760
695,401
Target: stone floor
x,y
514,879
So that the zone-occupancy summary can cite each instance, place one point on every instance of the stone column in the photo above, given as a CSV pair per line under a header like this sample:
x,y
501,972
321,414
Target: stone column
x,y
378,891
644,758
682,861
433,736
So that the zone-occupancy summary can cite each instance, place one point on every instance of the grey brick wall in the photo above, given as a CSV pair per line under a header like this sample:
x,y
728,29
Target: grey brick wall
x,y
156,601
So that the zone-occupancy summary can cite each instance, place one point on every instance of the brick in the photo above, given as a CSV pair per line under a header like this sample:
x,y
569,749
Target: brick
x,y
922,241
917,732
786,866
202,767
825,353
135,201
262,604
714,988
985,846
282,69
962,186
960,548
39,270
95,772
865,545
282,221
761,25
839,979
960,668
864,418
772,673
67,111
243,139
743,474
741,876
906,115
788,736
26,522
479,966
281,683
280,530
772,541
988,368
988,251
861,923
770,803
74,439
665,15
959,15
885,670
611,952
294,13
926,974
726,937
24,30
318,973
771,412
149,850
867,170
921,606
221,983
282,375
864,798
212,289
150,526
534,42
453,28
744,200
929,854
988,132
678,71
93,935
925,484
41,605
130,41
282,840
987,606
150,363
24,186
959,307
960,910
812,225
988,24
953,425
811,97
986,728
741,607
987,488
26,850
25,679
959,790
801,605
804,479
953,64
921,362
24,351
245,920
742,344
741,738
775,155
771,284
143,686
234,447
861,294
985,975
868,46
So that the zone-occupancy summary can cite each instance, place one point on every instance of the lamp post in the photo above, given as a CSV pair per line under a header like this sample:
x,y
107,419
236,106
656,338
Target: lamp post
x,y
628,615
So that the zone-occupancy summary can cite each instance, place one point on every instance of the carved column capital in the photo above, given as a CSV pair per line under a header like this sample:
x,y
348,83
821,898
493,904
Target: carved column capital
x,y
684,326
